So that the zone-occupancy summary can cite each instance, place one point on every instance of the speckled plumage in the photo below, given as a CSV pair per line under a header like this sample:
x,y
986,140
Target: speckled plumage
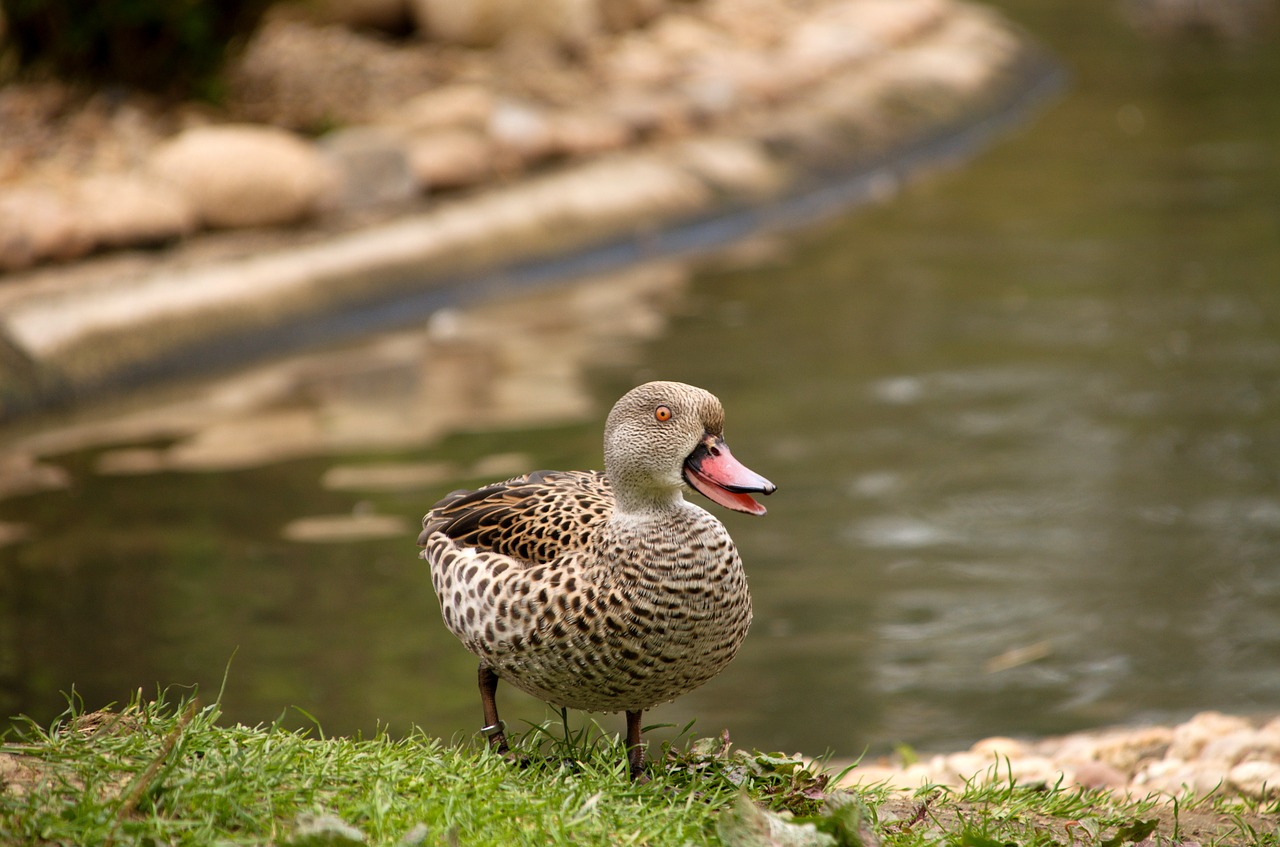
x,y
599,591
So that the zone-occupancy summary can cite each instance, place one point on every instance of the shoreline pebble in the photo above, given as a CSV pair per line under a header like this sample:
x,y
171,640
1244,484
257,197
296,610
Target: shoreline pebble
x,y
1211,754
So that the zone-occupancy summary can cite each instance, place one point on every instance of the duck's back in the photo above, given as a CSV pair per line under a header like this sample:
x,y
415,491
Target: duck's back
x,y
536,517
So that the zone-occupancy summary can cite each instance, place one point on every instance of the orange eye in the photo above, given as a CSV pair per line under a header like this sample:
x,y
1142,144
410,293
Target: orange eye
x,y
662,413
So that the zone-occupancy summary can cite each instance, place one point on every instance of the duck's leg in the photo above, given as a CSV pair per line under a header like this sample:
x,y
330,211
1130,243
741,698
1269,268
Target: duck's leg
x,y
492,728
635,752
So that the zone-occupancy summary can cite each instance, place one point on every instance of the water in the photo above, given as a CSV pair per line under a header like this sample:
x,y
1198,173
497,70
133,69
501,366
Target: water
x,y
1025,420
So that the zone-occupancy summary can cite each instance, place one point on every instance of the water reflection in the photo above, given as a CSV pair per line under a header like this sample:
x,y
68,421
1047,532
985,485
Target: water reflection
x,y
1025,421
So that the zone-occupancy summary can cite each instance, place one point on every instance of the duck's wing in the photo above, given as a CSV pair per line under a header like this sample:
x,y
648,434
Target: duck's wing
x,y
534,518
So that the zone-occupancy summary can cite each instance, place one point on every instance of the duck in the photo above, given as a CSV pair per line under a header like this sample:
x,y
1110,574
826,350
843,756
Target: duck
x,y
603,591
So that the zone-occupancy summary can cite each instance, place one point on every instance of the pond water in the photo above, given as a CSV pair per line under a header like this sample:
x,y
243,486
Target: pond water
x,y
1024,418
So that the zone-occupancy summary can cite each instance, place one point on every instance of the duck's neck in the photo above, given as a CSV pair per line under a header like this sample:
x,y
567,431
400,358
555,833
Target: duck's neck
x,y
645,501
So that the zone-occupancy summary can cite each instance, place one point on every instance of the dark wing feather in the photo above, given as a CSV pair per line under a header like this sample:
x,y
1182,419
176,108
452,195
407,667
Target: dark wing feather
x,y
536,517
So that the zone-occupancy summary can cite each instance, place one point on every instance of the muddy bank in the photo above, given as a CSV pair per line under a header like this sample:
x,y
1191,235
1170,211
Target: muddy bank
x,y
783,124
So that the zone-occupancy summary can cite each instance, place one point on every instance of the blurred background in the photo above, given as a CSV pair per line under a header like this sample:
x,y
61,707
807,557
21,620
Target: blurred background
x,y
1024,417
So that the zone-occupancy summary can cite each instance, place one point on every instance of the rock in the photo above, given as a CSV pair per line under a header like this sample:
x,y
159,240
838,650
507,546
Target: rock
x,y
388,477
373,165
11,533
1257,779
621,15
449,107
390,15
1242,745
1176,777
588,133
1030,770
734,166
126,210
1190,738
825,42
1123,750
652,114
342,528
1099,775
22,473
627,189
450,159
889,22
37,224
244,175
523,132
999,747
485,23
962,767
959,57
683,39
755,24
637,64
500,465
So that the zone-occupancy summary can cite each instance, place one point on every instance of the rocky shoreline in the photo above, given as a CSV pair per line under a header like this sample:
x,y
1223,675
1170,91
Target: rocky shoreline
x,y
713,105
1209,755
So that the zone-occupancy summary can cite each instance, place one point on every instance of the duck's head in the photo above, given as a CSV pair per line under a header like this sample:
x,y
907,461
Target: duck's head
x,y
662,436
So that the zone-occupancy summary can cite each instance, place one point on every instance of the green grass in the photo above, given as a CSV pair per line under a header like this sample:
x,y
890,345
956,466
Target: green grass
x,y
165,773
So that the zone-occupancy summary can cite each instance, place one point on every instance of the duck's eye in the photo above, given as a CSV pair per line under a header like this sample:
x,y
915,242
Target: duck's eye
x,y
662,413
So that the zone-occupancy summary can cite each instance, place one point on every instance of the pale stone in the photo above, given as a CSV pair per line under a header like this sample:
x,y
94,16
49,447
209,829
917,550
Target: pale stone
x,y
731,165
450,159
1177,778
1099,775
1031,769
649,113
485,23
1000,747
124,210
588,133
620,15
635,62
522,131
1257,779
889,22
682,37
270,436
21,473
373,165
475,23
388,477
11,533
610,190
501,465
820,45
1126,749
38,224
972,767
1238,746
245,175
919,774
376,14
459,106
340,528
867,775
1191,737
